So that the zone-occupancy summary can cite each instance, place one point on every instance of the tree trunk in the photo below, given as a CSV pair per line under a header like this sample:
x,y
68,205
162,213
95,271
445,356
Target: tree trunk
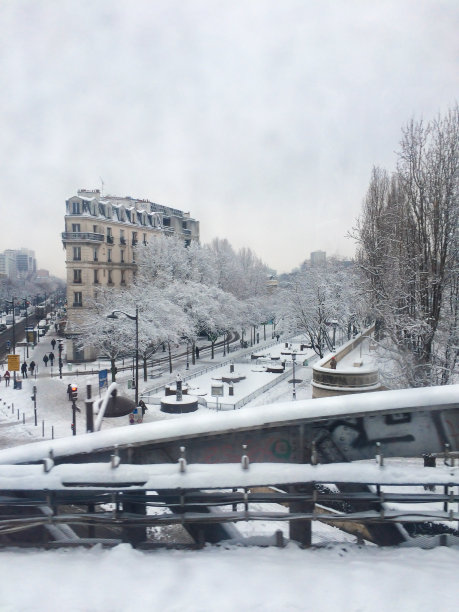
x,y
113,369
170,357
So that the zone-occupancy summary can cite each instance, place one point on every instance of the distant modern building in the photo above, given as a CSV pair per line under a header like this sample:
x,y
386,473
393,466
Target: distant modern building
x,y
100,238
318,258
19,263
25,262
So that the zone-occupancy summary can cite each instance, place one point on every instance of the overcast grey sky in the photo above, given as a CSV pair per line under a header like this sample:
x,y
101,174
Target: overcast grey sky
x,y
262,118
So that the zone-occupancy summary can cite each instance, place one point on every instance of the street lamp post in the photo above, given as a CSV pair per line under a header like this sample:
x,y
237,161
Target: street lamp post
x,y
293,362
136,319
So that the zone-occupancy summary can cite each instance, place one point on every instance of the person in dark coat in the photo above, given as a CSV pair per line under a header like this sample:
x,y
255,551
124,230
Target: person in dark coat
x,y
143,406
24,370
53,343
69,392
32,367
51,358
45,360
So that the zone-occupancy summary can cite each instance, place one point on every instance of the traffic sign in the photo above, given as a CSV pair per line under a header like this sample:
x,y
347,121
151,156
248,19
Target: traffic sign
x,y
13,363
103,379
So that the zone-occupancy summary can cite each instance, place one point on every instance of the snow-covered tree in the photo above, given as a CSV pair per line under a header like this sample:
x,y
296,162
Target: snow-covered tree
x,y
408,252
112,338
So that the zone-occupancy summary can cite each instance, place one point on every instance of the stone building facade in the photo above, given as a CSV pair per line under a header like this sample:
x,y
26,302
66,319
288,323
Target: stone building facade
x,y
100,239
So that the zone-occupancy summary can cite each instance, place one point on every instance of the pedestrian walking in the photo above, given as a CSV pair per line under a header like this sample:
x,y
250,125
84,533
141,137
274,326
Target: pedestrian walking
x,y
32,367
7,377
53,343
197,352
45,360
24,370
69,392
143,406
51,358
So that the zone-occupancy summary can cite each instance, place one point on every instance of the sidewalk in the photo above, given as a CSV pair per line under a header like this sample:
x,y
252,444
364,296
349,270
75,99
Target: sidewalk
x,y
54,414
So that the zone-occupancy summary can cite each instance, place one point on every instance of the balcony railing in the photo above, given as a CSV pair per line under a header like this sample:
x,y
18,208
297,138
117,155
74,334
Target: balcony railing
x,y
77,305
110,239
122,240
82,237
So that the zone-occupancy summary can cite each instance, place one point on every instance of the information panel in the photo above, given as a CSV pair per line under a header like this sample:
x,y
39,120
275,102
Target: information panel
x,y
13,363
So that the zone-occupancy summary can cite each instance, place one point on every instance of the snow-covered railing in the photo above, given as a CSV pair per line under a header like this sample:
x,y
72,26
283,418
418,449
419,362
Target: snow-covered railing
x,y
248,398
239,358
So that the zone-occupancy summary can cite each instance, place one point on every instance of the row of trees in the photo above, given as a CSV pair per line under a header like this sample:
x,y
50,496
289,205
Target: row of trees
x,y
408,253
182,292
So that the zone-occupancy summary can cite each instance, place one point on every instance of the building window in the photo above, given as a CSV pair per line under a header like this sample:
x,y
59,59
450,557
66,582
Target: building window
x,y
76,253
76,227
77,276
122,238
145,239
123,279
110,280
75,208
96,277
184,225
109,236
166,221
96,258
94,229
78,299
122,256
134,238
109,255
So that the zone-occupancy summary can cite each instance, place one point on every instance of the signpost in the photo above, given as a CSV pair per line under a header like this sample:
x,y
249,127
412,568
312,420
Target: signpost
x,y
103,379
216,390
14,363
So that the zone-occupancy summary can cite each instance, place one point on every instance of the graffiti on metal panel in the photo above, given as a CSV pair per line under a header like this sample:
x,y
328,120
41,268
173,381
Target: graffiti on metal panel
x,y
361,439
282,449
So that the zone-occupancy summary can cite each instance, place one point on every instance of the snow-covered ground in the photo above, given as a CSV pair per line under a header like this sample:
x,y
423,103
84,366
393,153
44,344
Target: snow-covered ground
x,y
342,576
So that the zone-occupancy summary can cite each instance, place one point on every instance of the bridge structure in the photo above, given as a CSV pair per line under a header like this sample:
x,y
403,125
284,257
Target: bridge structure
x,y
278,440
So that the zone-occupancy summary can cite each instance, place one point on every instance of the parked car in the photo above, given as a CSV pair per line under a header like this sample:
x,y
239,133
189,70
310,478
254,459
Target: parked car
x,y
2,327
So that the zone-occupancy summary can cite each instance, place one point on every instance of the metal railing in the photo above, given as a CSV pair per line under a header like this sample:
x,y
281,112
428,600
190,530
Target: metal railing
x,y
81,236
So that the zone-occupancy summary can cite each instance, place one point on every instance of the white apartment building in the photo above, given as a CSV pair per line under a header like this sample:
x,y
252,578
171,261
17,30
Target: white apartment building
x,y
101,233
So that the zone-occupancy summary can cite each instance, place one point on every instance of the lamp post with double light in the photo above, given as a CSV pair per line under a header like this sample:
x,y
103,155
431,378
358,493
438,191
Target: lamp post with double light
x,y
136,319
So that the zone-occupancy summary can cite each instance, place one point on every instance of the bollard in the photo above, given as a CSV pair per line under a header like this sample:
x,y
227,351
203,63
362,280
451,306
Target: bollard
x,y
52,432
35,415
279,539
379,456
23,418
18,414
43,429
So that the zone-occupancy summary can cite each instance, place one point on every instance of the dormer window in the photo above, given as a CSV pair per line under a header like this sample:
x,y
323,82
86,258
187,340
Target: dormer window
x,y
75,208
